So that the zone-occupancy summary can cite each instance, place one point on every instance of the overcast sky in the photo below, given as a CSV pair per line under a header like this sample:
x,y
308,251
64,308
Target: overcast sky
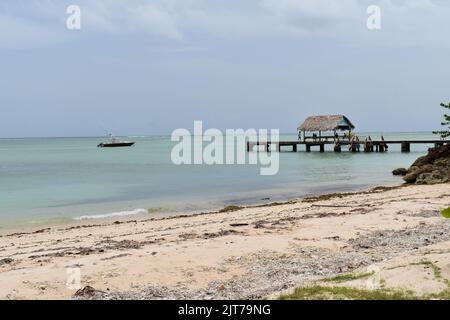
x,y
151,66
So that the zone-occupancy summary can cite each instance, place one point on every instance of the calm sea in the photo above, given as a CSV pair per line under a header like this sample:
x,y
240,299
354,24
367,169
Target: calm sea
x,y
55,180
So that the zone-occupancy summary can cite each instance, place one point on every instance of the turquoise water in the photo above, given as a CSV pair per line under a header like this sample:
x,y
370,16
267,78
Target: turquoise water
x,y
61,179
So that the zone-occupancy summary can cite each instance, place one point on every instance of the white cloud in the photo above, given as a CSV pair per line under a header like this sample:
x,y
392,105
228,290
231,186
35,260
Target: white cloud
x,y
154,20
407,22
136,16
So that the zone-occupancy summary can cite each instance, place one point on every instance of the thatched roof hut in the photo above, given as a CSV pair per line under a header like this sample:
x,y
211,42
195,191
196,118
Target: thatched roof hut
x,y
326,123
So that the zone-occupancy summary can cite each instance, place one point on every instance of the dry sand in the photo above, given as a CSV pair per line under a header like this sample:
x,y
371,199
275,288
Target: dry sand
x,y
254,252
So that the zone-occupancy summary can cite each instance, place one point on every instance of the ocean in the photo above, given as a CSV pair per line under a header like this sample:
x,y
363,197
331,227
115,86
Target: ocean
x,y
58,180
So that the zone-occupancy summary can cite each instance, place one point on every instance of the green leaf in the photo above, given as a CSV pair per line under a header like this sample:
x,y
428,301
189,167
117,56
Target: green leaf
x,y
446,213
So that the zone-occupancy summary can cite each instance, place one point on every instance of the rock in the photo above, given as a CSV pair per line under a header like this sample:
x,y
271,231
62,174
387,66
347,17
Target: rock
x,y
400,172
86,292
410,177
432,168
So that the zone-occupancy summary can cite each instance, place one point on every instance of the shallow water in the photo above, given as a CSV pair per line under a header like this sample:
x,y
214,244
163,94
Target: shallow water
x,y
61,179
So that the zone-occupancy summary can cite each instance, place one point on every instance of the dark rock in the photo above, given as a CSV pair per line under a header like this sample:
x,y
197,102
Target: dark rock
x,y
432,168
400,172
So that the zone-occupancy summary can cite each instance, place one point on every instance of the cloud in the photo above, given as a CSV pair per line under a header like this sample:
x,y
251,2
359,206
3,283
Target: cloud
x,y
403,22
149,17
312,15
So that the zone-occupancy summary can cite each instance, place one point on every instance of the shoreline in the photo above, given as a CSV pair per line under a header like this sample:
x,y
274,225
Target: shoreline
x,y
251,252
73,222
141,217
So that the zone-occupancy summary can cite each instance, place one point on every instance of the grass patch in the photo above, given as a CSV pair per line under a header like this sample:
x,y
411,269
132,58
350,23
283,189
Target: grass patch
x,y
317,292
323,292
349,277
436,270
443,295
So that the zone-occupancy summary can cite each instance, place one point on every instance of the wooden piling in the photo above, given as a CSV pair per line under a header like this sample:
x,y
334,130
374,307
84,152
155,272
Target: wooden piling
x,y
406,146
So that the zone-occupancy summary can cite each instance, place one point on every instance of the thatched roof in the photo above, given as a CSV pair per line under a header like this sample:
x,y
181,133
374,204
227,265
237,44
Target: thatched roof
x,y
326,123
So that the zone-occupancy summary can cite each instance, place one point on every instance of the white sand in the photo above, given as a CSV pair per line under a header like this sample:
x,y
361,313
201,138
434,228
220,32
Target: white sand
x,y
189,252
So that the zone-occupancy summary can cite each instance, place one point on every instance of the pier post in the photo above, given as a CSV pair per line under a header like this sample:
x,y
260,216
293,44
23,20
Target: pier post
x,y
406,146
294,147
322,147
368,147
308,147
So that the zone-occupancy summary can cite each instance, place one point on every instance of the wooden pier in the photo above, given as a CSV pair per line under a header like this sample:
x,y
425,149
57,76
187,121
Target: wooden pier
x,y
354,146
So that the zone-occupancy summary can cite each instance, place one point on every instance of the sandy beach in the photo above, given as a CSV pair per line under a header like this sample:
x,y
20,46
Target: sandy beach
x,y
395,235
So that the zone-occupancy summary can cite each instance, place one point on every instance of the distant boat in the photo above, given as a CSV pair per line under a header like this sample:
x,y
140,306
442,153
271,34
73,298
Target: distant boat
x,y
114,143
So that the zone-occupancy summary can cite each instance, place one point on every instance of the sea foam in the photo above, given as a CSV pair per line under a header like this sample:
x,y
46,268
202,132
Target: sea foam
x,y
113,214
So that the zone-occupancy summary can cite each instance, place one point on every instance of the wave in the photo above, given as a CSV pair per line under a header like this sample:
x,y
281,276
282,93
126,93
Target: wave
x,y
113,214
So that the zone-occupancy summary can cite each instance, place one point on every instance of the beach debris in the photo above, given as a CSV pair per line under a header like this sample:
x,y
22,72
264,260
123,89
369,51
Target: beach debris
x,y
116,256
260,224
238,224
6,261
84,251
221,233
188,235
42,230
230,208
89,292
123,244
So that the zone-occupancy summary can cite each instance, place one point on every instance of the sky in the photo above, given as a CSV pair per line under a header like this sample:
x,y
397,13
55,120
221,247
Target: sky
x,y
142,67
